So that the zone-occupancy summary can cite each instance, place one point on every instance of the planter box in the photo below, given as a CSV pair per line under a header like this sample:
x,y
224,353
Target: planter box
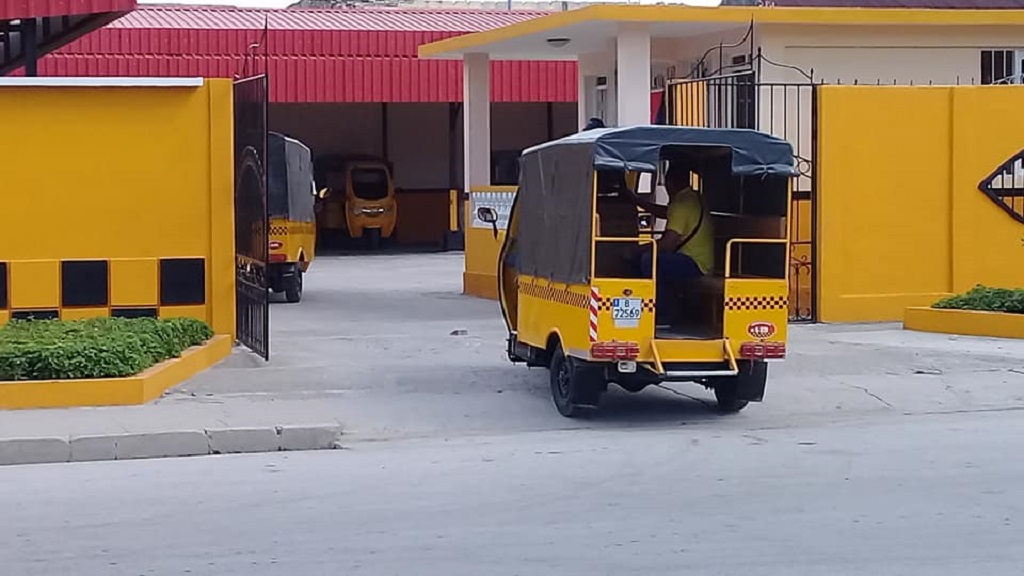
x,y
965,322
137,389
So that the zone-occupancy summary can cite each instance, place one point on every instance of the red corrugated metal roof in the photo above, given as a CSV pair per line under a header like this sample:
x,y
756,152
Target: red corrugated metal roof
x,y
358,55
363,19
340,79
13,9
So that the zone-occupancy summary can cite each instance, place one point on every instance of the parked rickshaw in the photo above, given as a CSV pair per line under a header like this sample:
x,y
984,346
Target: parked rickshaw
x,y
575,301
362,203
292,197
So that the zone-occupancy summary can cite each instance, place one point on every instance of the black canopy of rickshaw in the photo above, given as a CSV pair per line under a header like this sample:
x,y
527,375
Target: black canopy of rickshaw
x,y
554,203
639,148
290,191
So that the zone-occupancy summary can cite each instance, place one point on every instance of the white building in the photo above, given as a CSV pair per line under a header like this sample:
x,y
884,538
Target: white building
x,y
626,51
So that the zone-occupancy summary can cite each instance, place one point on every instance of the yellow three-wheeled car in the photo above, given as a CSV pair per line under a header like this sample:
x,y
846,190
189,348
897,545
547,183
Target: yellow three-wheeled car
x,y
583,280
292,199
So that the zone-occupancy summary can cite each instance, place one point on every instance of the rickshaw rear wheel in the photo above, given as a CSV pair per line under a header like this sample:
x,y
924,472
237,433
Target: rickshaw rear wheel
x,y
726,393
734,393
575,386
293,288
372,238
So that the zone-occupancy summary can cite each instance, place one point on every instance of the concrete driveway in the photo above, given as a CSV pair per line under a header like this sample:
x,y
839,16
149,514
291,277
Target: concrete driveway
x,y
389,347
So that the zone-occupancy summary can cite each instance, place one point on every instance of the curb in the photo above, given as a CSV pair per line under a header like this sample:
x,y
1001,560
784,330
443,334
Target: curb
x,y
170,444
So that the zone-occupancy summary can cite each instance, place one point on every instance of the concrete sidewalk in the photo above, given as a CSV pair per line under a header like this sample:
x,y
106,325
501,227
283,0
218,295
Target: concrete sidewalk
x,y
162,429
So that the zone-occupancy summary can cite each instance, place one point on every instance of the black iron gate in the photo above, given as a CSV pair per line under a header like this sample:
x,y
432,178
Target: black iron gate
x,y
787,110
252,304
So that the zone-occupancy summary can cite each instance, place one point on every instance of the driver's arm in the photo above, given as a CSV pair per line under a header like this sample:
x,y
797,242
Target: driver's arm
x,y
659,210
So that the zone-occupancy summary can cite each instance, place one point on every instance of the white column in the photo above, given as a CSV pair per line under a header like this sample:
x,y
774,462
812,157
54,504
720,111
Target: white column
x,y
586,105
633,85
476,120
611,111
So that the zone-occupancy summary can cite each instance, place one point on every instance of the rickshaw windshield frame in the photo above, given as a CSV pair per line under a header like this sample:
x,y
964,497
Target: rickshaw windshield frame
x,y
556,185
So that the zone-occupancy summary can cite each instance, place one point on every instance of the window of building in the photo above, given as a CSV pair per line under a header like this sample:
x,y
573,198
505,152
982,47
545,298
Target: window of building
x,y
1002,66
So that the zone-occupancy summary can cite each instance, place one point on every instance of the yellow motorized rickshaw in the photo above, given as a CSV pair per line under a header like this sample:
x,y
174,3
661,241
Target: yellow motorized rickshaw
x,y
575,301
362,203
292,198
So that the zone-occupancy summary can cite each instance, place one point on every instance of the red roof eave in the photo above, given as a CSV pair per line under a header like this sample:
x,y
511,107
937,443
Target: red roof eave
x,y
335,79
312,55
15,9
61,22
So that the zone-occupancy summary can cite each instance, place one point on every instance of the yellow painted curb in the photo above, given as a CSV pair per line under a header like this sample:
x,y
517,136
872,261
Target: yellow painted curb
x,y
481,285
966,322
114,391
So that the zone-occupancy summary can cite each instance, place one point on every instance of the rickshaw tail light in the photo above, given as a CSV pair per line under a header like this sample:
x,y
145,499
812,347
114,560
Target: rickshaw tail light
x,y
614,350
278,257
763,350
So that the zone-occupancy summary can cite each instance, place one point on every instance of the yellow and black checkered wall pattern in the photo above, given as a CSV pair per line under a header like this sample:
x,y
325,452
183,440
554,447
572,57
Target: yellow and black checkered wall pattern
x,y
776,302
130,288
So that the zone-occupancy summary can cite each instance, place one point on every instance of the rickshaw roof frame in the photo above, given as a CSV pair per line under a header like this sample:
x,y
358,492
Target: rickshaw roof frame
x,y
639,148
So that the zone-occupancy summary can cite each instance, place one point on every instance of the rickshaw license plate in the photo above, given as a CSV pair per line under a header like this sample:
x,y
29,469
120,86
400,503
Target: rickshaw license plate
x,y
626,312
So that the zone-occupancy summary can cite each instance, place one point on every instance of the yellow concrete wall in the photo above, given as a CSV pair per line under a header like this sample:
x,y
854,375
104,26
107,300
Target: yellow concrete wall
x,y
137,180
901,220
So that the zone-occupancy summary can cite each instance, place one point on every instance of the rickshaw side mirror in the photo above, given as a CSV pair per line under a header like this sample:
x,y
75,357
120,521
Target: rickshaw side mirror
x,y
488,216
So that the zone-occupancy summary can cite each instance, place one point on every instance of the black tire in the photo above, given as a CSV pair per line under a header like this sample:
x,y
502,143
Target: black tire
x,y
575,387
372,238
726,392
293,289
752,378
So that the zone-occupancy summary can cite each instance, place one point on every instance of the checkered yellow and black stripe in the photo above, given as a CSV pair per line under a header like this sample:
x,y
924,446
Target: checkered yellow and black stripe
x,y
120,287
553,294
605,305
280,229
775,302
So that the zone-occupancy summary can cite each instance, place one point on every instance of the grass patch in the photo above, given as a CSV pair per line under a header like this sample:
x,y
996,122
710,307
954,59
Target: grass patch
x,y
986,299
93,348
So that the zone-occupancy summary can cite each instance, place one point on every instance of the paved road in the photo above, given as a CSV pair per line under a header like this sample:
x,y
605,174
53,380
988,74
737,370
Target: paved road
x,y
876,452
915,495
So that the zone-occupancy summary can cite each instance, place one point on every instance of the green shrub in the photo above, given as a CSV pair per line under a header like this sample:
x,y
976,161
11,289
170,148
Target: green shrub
x,y
986,299
93,348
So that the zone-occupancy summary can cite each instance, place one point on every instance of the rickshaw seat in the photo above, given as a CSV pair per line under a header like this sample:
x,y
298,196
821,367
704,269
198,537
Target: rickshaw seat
x,y
703,300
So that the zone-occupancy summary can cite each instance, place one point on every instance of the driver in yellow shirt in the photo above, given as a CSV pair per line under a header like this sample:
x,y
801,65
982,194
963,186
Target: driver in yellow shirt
x,y
686,248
